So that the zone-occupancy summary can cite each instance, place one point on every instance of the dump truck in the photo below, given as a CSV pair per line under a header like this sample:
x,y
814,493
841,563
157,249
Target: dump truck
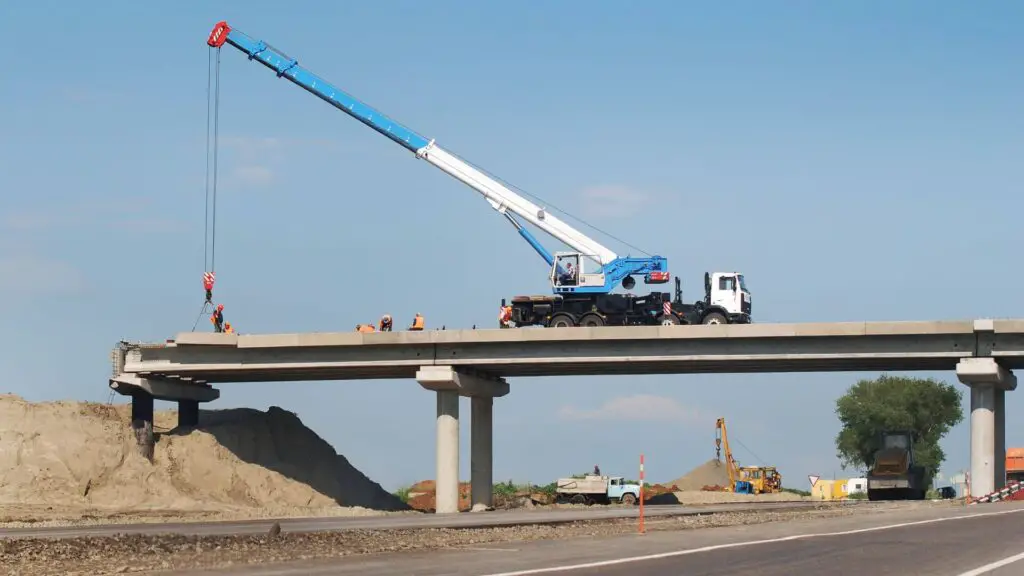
x,y
596,489
1014,465
894,475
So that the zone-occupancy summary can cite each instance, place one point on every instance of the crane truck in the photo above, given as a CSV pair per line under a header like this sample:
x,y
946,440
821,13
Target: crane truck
x,y
583,279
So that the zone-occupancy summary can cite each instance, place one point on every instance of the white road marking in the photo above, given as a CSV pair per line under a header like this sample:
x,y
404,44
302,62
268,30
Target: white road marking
x,y
994,565
632,559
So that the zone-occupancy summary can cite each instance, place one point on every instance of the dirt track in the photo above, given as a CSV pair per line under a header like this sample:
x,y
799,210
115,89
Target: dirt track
x,y
143,553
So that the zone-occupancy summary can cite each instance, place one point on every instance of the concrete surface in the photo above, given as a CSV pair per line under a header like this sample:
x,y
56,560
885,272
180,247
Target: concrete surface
x,y
943,542
404,521
843,346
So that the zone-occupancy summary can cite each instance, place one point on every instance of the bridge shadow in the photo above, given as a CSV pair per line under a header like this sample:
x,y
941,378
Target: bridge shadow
x,y
278,440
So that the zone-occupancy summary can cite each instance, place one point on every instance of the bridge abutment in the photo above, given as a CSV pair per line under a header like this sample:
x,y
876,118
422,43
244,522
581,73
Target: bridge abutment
x,y
988,382
450,384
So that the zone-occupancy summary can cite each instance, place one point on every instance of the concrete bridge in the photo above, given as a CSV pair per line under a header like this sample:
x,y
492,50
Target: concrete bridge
x,y
475,363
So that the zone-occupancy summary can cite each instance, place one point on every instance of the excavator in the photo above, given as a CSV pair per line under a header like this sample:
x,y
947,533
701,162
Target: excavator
x,y
745,479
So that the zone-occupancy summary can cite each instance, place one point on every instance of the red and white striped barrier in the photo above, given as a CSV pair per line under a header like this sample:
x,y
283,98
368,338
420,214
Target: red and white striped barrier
x,y
1012,491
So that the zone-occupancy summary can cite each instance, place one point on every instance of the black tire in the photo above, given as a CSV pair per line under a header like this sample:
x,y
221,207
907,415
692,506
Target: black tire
x,y
715,318
561,321
668,320
591,321
628,499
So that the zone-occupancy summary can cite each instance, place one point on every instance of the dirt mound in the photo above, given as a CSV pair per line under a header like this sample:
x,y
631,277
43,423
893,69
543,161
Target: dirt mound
x,y
711,473
78,454
423,496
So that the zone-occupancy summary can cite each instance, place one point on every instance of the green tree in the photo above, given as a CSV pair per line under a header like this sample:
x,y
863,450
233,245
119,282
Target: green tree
x,y
926,407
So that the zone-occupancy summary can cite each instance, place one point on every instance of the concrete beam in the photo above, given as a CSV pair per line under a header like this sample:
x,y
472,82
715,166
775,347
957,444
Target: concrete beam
x,y
975,371
162,389
826,347
462,382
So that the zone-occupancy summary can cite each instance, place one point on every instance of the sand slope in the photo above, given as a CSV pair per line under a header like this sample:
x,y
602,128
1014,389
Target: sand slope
x,y
68,454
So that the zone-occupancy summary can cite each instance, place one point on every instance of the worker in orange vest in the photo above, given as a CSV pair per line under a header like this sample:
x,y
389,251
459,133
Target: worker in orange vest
x,y
228,329
365,327
217,318
505,317
417,322
385,323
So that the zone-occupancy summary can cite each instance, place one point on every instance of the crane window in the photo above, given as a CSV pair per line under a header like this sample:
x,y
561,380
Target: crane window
x,y
727,283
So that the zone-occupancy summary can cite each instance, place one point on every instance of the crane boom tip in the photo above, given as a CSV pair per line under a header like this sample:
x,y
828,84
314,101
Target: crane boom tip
x,y
219,35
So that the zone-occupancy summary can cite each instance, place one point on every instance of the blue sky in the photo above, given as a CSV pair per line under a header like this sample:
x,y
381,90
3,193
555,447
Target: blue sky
x,y
857,162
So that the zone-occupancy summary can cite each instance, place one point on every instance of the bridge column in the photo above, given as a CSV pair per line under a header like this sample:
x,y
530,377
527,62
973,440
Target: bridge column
x,y
450,384
989,383
143,391
481,451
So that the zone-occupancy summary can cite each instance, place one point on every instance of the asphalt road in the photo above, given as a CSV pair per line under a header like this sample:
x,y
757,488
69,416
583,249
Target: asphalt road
x,y
406,521
933,541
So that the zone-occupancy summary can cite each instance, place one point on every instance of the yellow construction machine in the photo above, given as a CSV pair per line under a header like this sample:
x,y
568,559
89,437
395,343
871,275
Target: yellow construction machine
x,y
745,479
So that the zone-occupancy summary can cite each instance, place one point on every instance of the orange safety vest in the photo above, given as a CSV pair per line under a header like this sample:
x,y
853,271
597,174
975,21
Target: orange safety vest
x,y
417,322
366,328
229,329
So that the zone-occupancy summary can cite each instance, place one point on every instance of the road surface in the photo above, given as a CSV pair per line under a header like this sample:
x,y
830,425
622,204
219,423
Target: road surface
x,y
405,521
956,541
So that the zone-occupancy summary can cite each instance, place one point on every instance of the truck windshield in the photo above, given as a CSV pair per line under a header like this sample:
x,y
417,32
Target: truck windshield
x,y
743,283
901,442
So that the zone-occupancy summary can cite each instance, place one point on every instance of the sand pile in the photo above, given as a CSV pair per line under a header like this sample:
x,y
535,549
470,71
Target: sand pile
x,y
711,473
78,454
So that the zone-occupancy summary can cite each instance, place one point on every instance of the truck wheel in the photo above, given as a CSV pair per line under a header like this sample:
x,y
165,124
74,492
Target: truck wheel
x,y
628,499
591,321
715,318
561,321
668,320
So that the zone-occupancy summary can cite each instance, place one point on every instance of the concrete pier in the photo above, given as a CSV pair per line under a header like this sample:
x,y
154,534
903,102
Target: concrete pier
x,y
142,423
188,413
447,476
450,384
482,453
989,383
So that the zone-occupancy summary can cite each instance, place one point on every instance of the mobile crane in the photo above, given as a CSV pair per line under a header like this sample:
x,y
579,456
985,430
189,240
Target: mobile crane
x,y
579,296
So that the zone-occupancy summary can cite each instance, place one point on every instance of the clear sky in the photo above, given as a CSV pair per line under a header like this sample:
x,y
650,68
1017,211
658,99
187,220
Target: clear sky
x,y
857,161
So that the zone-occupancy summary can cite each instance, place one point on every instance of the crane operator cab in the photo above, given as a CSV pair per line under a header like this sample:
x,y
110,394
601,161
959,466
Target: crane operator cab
x,y
728,291
568,273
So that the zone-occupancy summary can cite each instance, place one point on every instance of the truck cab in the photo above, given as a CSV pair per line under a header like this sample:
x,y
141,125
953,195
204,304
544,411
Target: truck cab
x,y
621,491
728,292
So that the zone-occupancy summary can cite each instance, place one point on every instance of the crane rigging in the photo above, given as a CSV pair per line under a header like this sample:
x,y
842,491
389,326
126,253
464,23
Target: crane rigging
x,y
582,281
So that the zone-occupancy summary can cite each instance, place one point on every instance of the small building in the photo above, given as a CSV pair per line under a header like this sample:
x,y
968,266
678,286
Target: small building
x,y
829,490
856,486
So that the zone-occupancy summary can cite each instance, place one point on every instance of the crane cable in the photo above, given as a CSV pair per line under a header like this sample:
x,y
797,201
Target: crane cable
x,y
212,145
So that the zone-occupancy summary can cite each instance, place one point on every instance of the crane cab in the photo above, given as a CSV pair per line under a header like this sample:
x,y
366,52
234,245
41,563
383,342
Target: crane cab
x,y
568,272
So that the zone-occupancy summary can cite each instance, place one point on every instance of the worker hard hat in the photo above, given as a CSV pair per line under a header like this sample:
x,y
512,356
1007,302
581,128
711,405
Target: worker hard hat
x,y
220,307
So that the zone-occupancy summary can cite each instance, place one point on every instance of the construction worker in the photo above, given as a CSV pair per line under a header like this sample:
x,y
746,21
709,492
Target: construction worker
x,y
505,317
365,328
417,322
385,323
217,318
228,329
